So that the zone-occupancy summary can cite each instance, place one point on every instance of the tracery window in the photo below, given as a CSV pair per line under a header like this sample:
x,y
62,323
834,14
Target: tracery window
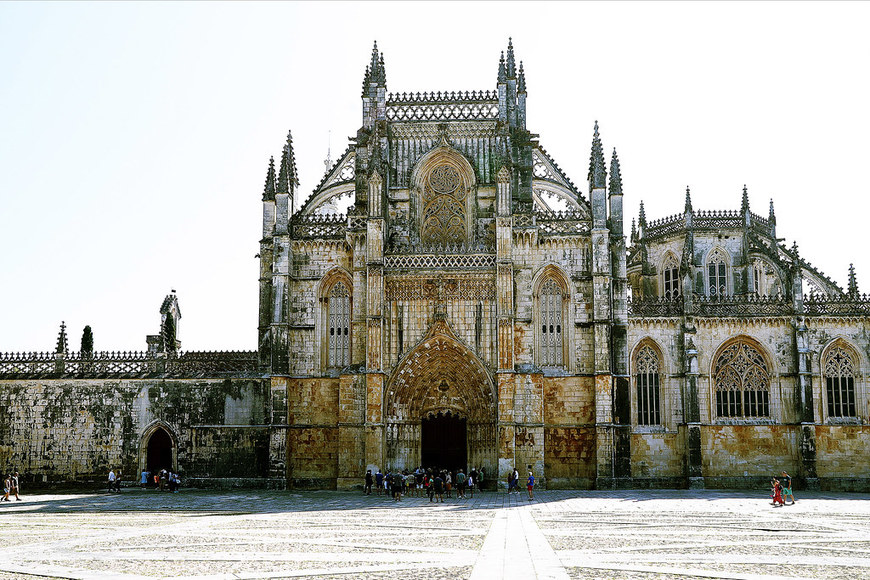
x,y
766,281
741,382
443,207
338,326
550,339
717,278
671,277
840,383
647,371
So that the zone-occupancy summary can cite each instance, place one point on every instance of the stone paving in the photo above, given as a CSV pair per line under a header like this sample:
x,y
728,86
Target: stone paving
x,y
340,535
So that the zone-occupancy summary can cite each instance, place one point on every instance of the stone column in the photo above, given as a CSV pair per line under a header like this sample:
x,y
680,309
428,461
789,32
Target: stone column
x,y
692,414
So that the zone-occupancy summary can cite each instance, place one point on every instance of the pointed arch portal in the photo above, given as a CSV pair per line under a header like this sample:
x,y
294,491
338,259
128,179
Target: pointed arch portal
x,y
159,451
441,407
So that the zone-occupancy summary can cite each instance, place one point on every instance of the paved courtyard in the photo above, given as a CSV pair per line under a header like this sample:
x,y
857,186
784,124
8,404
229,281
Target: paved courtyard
x,y
561,534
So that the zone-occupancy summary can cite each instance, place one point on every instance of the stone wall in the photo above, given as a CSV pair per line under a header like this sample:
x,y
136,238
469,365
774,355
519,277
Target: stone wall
x,y
74,430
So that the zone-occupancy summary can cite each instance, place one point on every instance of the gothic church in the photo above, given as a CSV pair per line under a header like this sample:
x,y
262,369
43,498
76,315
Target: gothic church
x,y
448,296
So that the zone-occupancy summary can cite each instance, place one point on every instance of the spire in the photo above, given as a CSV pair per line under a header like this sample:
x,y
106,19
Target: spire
x,y
383,70
615,177
287,180
366,79
62,342
374,64
502,71
597,173
642,218
633,231
744,203
688,199
269,190
511,66
853,283
521,82
771,216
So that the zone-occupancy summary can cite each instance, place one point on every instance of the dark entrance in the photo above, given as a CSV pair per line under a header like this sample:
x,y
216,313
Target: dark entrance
x,y
159,451
444,442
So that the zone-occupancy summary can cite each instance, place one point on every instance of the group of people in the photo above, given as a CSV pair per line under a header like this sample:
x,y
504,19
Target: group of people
x,y
164,480
781,490
10,486
434,483
513,481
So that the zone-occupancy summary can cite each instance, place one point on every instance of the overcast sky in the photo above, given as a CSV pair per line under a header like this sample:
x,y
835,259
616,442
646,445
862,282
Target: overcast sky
x,y
135,137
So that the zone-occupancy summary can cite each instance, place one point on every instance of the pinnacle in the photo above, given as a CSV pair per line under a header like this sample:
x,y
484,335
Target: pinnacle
x,y
642,218
62,343
502,71
287,180
615,175
688,199
269,189
744,203
853,282
521,83
511,66
597,172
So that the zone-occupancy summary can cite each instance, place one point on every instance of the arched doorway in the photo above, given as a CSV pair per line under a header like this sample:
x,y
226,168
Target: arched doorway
x,y
440,407
159,450
444,441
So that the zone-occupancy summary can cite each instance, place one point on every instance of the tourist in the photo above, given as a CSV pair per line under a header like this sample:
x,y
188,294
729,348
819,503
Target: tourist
x,y
379,483
171,481
7,486
777,493
163,480
480,475
516,480
438,485
118,481
448,481
368,483
14,481
460,485
530,485
472,480
143,482
418,480
786,488
512,480
112,478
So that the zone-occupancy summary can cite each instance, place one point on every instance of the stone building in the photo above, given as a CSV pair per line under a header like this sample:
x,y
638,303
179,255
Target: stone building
x,y
448,296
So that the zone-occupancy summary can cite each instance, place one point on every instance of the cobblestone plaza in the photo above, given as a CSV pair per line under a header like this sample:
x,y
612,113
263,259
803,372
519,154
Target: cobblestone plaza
x,y
560,534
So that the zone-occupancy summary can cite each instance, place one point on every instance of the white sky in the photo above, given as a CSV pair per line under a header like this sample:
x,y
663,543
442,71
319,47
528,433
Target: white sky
x,y
134,138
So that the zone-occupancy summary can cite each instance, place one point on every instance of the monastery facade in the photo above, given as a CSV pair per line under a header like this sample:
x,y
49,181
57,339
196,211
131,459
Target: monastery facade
x,y
447,296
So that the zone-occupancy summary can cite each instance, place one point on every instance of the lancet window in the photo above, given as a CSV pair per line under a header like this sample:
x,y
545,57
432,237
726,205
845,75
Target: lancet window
x,y
839,368
671,277
338,326
551,324
741,382
717,274
765,279
647,371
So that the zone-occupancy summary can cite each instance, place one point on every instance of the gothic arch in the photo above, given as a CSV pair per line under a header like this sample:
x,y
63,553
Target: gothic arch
x,y
155,428
669,282
717,272
840,366
443,198
325,288
769,281
551,294
742,380
438,375
648,371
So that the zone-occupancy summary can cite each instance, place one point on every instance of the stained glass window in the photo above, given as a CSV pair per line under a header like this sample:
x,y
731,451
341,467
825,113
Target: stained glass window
x,y
646,367
551,324
338,327
741,382
840,383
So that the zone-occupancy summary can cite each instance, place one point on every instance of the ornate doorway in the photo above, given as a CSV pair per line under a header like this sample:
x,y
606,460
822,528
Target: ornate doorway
x,y
444,441
440,407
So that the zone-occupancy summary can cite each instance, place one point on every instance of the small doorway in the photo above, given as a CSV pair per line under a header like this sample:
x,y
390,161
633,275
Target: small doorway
x,y
444,442
159,455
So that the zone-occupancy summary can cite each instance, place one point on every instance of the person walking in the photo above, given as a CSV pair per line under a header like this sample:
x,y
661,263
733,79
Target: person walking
x,y
786,488
7,486
530,485
379,483
14,482
460,485
439,487
472,481
368,483
777,493
112,478
118,482
143,482
448,481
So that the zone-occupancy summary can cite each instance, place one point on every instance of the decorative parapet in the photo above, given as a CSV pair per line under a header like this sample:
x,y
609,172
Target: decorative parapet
x,y
440,261
128,364
562,223
319,226
655,307
446,106
822,305
739,306
704,220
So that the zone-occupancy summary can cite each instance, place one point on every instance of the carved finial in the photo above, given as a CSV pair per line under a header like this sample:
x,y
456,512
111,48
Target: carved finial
x,y
597,172
383,70
511,66
287,180
642,217
688,199
62,342
615,176
502,71
771,216
853,283
374,64
521,82
796,253
366,79
633,231
269,190
744,203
